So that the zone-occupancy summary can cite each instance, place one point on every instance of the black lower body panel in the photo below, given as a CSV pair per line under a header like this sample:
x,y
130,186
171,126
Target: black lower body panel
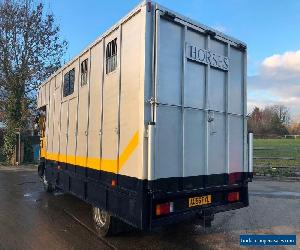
x,y
191,215
124,200
182,211
133,200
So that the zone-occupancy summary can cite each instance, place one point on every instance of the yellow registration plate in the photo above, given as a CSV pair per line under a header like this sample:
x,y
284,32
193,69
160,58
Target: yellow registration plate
x,y
199,201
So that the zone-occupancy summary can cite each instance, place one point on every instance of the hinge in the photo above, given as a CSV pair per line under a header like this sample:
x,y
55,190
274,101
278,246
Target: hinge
x,y
152,100
146,134
169,15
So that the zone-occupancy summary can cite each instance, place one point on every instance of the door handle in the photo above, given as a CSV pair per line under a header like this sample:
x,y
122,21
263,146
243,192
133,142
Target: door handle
x,y
211,116
211,120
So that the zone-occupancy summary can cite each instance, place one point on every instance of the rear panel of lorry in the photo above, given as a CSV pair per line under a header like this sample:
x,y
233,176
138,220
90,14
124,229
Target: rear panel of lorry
x,y
200,113
198,133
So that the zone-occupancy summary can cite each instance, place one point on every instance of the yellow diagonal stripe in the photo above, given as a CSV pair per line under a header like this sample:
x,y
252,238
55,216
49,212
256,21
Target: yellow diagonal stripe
x,y
108,165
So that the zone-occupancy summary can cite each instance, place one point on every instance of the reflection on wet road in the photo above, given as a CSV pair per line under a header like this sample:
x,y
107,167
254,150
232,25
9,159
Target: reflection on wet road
x,y
33,219
279,194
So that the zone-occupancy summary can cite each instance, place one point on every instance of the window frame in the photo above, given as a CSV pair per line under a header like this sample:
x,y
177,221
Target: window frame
x,y
111,56
85,63
68,88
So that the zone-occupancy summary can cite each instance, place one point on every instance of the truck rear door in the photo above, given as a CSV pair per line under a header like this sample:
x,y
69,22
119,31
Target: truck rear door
x,y
200,112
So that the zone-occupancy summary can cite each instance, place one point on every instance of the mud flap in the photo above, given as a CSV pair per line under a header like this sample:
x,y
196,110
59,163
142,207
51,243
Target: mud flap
x,y
41,168
206,218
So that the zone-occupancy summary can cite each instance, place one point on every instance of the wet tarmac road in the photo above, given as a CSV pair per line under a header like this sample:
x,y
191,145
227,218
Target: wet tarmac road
x,y
33,219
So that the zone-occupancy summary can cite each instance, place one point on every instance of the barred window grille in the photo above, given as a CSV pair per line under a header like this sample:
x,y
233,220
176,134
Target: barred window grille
x,y
84,72
111,56
69,79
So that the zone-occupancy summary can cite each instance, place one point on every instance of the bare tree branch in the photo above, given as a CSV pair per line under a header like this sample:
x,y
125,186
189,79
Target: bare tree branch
x,y
30,51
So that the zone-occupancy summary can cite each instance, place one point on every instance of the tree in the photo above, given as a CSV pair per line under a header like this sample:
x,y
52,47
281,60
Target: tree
x,y
270,120
294,128
254,123
282,113
30,51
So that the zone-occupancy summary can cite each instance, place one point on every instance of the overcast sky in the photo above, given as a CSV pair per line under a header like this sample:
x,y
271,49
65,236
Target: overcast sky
x,y
270,28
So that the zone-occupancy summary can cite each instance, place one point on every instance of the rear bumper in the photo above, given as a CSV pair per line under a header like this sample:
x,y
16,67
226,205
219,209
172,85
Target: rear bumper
x,y
191,215
184,213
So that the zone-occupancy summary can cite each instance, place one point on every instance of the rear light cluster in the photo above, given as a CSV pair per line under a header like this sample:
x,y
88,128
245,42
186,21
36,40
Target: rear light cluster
x,y
233,196
164,208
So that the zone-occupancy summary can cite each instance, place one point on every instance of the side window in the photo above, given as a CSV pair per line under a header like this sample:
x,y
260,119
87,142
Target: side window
x,y
111,56
84,72
69,79
72,80
66,84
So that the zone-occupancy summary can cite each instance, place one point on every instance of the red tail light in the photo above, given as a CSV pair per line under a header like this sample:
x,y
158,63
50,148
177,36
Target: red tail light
x,y
113,183
164,208
233,196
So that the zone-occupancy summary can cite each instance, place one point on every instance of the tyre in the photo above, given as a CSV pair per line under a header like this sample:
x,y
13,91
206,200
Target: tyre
x,y
47,186
106,224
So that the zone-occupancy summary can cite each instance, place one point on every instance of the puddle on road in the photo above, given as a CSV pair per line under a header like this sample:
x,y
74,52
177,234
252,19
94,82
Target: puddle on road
x,y
26,182
58,193
32,193
33,196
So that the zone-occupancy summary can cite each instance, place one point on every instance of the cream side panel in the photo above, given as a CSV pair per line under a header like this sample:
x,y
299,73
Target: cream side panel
x,y
42,95
47,89
45,94
82,120
145,76
51,115
72,117
64,131
72,130
130,87
56,124
95,105
63,124
110,111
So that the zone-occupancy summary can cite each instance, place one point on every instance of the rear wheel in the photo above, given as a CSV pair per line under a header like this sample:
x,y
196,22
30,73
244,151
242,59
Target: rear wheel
x,y
106,224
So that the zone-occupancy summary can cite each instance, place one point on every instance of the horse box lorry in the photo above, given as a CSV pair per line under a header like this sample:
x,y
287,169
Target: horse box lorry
x,y
149,123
